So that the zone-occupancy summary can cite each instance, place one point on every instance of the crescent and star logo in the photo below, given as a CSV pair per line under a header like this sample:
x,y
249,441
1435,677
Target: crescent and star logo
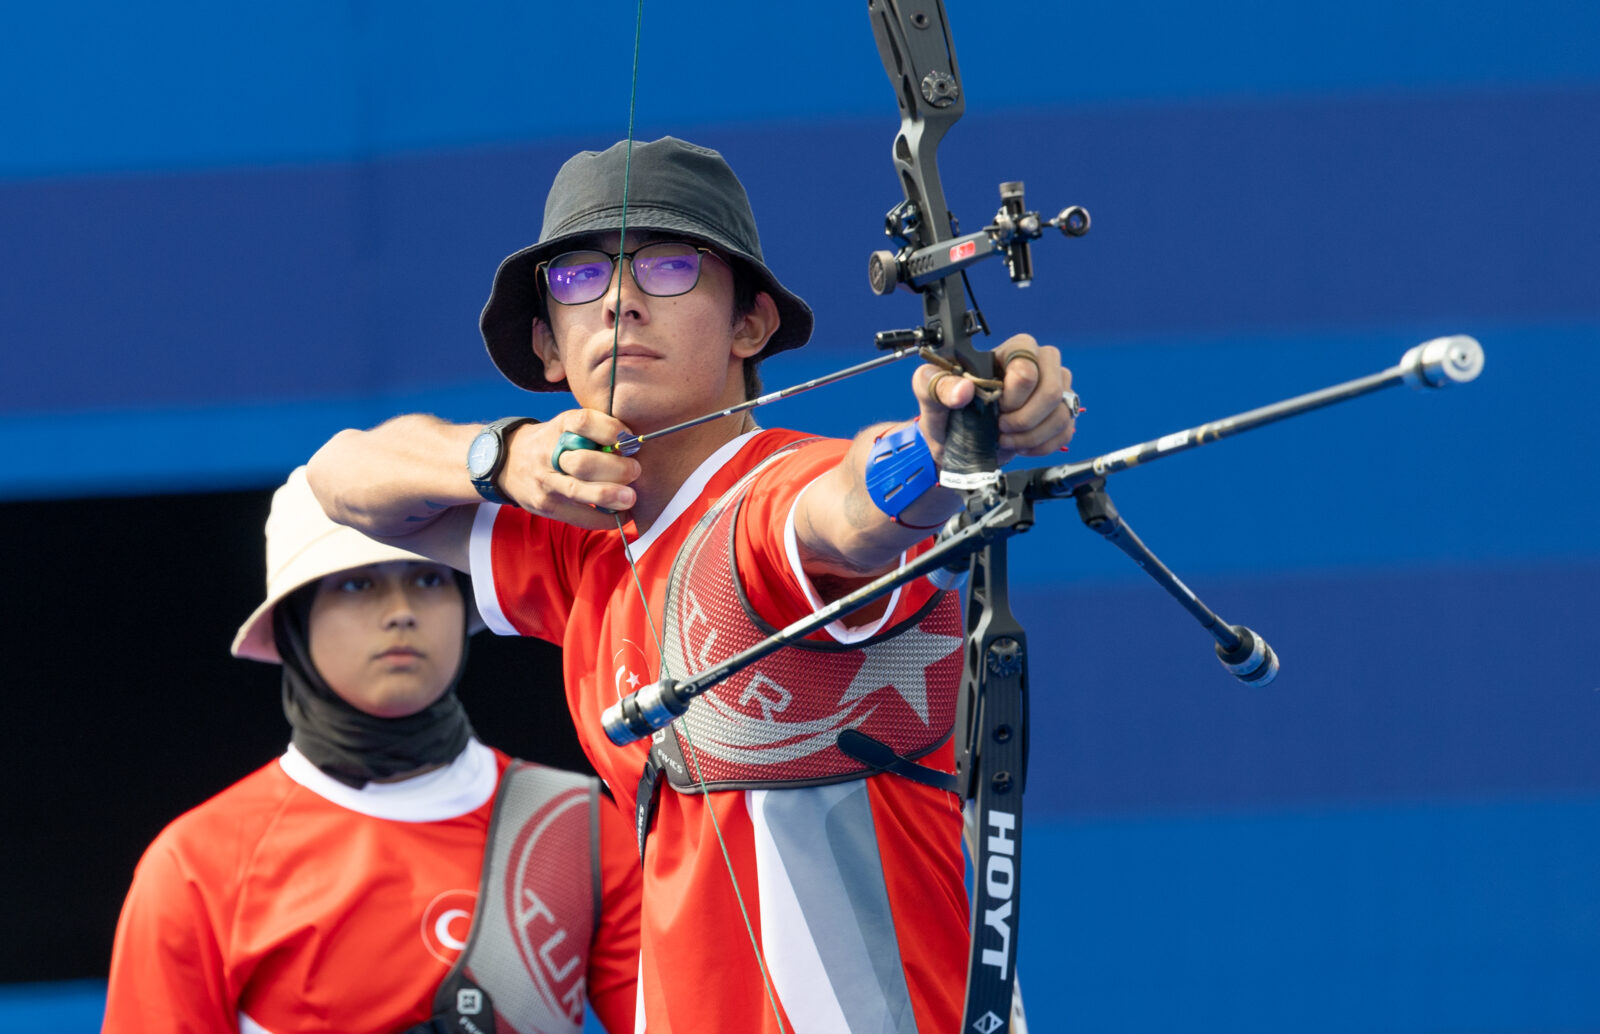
x,y
632,668
446,922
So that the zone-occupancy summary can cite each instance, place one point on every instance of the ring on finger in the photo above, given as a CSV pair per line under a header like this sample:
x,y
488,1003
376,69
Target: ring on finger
x,y
569,442
1005,364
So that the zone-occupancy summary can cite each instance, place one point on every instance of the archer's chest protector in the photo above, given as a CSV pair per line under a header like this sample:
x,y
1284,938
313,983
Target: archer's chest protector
x,y
777,722
526,962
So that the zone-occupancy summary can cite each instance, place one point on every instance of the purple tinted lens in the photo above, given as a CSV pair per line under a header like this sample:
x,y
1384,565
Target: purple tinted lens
x,y
579,276
665,270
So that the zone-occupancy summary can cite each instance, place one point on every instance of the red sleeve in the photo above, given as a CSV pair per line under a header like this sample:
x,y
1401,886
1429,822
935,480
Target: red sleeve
x,y
614,956
763,539
525,573
167,968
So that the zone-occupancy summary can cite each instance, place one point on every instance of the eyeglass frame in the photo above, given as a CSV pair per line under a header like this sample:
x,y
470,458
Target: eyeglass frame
x,y
542,270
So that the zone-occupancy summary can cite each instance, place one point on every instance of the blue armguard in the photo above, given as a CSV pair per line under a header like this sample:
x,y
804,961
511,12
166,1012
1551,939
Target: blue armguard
x,y
900,469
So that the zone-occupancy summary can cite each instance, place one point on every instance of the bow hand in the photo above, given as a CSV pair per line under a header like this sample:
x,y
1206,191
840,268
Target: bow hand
x,y
1037,406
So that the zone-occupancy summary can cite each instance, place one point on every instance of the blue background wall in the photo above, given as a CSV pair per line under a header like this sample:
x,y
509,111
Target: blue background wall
x,y
228,233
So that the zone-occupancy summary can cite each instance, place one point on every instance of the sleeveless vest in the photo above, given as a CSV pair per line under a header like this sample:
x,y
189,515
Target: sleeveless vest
x,y
526,962
777,722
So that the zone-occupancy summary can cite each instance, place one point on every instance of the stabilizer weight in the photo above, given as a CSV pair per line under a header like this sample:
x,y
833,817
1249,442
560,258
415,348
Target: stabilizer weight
x,y
639,714
1252,662
1443,361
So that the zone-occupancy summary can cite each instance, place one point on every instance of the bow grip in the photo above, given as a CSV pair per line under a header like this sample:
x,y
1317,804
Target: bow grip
x,y
972,446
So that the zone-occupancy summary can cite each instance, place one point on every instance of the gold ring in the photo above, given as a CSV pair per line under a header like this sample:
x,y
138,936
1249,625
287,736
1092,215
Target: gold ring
x,y
1005,363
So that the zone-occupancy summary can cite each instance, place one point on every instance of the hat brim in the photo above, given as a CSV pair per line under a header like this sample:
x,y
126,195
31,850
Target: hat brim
x,y
337,549
507,319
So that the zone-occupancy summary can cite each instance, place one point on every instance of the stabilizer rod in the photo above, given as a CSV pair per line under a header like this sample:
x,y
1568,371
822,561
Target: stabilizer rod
x,y
1439,363
1244,653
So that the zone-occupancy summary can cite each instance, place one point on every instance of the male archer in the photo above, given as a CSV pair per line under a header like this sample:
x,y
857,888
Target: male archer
x,y
782,875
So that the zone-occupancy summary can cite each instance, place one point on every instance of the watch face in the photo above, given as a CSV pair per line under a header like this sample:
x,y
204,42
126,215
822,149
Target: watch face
x,y
485,449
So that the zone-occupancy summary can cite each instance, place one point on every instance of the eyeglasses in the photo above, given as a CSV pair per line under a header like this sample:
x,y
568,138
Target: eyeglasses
x,y
662,270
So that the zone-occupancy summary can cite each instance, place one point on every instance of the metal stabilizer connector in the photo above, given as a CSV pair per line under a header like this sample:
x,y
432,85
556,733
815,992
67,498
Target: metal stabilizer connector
x,y
1252,662
639,714
1443,361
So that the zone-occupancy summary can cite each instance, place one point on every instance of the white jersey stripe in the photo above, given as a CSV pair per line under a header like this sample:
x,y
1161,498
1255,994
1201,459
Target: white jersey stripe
x,y
790,948
839,630
478,559
821,849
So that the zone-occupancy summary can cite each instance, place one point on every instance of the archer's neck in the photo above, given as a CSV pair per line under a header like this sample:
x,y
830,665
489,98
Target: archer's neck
x,y
668,462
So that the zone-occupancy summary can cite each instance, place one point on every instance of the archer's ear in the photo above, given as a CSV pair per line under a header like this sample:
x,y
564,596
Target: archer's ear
x,y
755,328
544,346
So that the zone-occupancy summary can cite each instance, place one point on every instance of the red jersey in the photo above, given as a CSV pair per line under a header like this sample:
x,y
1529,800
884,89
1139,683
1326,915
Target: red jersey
x,y
293,902
854,890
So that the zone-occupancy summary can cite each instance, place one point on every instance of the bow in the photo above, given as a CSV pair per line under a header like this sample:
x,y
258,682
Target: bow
x,y
991,730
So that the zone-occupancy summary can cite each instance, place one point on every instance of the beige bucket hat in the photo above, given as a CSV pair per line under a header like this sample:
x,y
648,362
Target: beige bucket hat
x,y
302,546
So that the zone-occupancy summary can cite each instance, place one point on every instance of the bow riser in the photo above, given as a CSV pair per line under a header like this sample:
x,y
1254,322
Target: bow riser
x,y
920,60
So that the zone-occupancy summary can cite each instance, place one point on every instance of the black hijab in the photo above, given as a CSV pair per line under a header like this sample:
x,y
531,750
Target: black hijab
x,y
345,742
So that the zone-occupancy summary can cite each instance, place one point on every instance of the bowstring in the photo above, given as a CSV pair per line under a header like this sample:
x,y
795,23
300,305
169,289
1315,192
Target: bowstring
x,y
627,547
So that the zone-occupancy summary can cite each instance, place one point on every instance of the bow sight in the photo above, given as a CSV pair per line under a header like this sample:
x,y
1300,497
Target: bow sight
x,y
1011,233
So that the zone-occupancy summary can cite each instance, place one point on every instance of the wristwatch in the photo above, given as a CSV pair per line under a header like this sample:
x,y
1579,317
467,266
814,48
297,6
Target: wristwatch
x,y
486,456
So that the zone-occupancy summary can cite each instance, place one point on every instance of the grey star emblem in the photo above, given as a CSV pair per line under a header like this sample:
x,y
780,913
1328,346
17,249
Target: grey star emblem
x,y
901,662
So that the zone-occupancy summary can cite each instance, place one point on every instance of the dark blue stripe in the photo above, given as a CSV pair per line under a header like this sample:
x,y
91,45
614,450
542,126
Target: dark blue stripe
x,y
1419,216
1470,684
64,1007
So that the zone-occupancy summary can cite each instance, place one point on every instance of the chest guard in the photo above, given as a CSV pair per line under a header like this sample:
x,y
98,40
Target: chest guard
x,y
778,722
525,967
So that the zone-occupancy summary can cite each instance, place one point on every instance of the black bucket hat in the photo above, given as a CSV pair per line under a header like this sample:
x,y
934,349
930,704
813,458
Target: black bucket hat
x,y
674,187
